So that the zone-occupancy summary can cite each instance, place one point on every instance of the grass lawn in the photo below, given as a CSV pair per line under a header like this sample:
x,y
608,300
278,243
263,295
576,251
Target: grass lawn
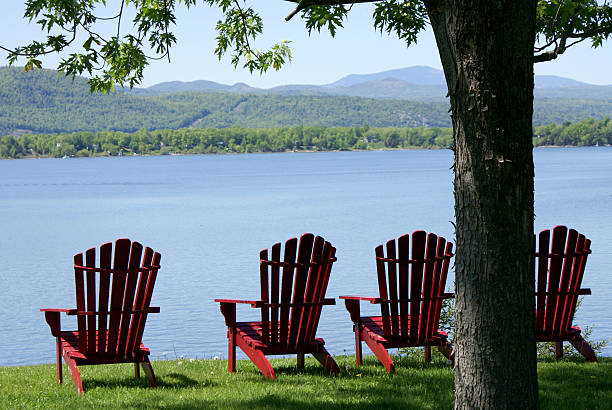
x,y
570,383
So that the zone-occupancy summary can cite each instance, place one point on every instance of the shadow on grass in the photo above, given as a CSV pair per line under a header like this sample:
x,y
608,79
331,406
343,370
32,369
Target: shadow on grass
x,y
171,381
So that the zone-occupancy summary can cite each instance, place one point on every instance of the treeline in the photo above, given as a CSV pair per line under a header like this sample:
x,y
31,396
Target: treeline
x,y
584,133
243,140
224,140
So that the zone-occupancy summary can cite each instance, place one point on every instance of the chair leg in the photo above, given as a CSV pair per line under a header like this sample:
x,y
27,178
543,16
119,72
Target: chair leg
x,y
58,359
427,353
558,350
327,361
137,370
300,361
358,350
148,369
381,353
74,373
257,357
584,349
231,350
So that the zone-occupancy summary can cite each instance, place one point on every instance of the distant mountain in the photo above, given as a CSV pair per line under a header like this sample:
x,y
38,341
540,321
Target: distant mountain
x,y
553,81
417,83
416,75
391,88
200,85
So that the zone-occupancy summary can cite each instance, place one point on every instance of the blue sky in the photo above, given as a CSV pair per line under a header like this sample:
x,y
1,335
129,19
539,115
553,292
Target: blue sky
x,y
318,59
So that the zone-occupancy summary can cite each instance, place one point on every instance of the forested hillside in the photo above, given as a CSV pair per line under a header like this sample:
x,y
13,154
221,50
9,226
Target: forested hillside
x,y
44,102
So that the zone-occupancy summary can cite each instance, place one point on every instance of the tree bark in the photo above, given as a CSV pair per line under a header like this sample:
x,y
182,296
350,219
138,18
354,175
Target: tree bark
x,y
486,49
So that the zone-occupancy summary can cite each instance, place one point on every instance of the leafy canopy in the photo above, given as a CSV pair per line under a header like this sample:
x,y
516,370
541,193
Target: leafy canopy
x,y
120,58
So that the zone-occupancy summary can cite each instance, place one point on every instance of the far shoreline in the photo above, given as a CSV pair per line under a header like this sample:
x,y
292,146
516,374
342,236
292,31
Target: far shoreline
x,y
128,155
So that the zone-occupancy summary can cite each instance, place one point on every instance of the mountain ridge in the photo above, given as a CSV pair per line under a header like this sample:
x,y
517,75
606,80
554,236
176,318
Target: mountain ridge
x,y
420,83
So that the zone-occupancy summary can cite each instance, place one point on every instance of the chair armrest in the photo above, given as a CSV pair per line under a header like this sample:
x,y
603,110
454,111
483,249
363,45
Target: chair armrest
x,y
67,311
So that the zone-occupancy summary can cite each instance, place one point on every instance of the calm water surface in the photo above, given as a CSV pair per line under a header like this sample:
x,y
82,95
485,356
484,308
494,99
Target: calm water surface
x,y
210,215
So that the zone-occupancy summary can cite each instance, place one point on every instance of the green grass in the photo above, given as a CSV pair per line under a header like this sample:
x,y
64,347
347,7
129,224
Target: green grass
x,y
570,383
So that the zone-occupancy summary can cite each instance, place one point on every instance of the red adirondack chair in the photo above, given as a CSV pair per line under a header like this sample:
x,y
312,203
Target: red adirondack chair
x,y
411,284
108,333
290,304
560,267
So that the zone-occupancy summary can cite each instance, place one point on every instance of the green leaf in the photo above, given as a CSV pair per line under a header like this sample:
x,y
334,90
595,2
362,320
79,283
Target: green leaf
x,y
87,44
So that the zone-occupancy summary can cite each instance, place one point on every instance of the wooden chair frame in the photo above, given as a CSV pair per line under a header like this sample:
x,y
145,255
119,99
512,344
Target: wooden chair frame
x,y
411,286
291,303
112,305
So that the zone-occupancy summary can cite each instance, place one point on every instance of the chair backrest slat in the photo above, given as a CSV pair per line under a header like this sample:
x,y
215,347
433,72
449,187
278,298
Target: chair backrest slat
x,y
403,253
264,297
560,268
106,251
423,261
105,330
392,281
274,292
286,288
416,282
79,286
542,277
381,270
90,261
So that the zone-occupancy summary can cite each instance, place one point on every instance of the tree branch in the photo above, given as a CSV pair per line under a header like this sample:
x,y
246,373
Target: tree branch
x,y
563,46
309,3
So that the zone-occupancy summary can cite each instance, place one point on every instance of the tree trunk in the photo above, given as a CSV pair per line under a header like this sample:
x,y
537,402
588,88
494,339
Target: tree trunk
x,y
486,49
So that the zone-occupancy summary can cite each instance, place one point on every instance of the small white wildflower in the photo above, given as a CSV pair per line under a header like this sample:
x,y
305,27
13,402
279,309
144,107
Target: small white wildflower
x,y
180,363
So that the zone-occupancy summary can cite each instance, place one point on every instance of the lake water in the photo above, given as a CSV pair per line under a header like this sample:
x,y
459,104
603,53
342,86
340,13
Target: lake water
x,y
210,215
